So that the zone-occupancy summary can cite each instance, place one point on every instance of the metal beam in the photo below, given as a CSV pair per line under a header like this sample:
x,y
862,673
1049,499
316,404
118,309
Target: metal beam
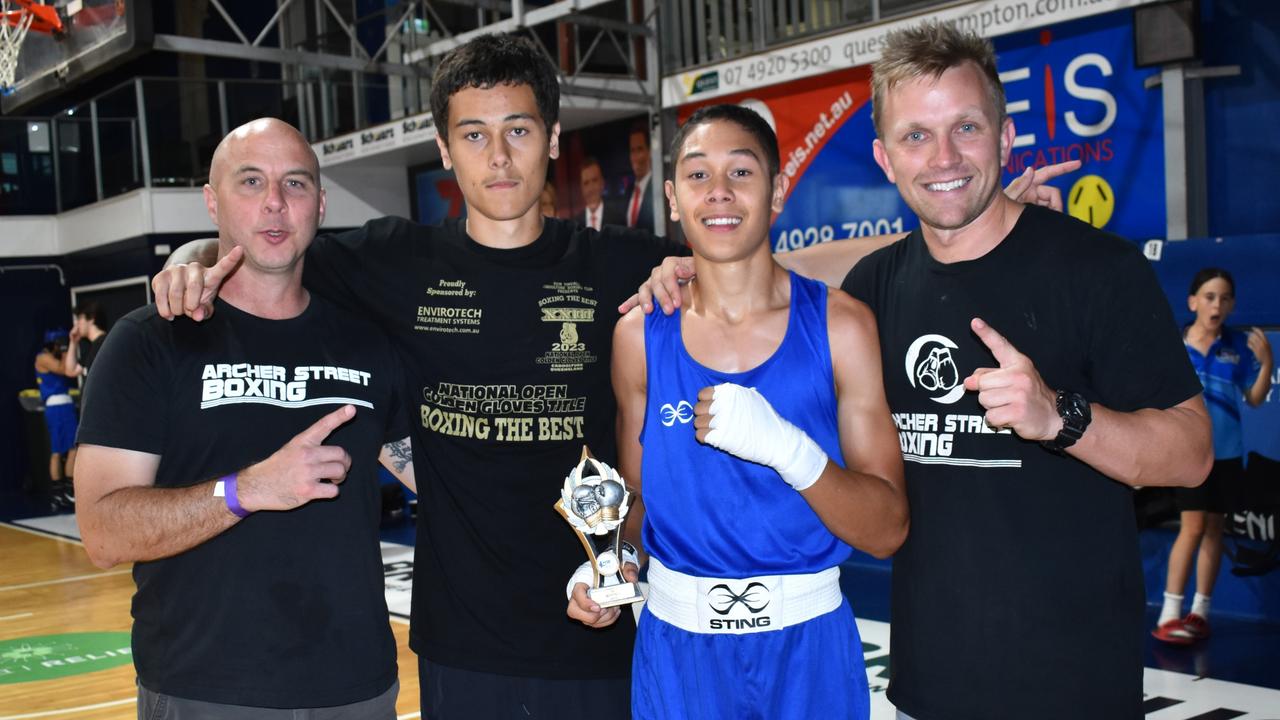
x,y
391,36
143,138
56,137
607,94
346,27
226,16
1175,149
502,6
554,11
272,22
652,83
1185,168
218,48
97,148
607,24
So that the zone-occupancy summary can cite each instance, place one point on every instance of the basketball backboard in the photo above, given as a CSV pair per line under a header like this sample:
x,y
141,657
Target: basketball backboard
x,y
97,34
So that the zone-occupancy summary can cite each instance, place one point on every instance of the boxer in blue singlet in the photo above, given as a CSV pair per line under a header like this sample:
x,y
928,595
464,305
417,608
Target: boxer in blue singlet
x,y
768,451
59,414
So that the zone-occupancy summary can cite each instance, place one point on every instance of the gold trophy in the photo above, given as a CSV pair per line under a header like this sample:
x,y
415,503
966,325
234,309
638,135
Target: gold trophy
x,y
595,501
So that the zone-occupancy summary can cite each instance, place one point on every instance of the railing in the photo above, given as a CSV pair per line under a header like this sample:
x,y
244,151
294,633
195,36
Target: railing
x,y
161,132
157,132
702,32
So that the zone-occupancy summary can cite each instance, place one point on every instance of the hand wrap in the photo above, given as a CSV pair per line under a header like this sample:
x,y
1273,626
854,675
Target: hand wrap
x,y
745,424
586,575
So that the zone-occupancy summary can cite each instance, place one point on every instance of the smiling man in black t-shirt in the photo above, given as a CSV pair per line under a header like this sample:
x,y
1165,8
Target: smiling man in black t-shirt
x,y
259,580
1044,377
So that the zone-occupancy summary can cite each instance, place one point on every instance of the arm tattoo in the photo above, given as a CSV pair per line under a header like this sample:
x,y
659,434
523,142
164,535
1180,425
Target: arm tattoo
x,y
401,452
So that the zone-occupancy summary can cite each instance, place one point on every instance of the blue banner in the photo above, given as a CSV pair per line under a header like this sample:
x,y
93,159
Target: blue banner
x,y
1072,92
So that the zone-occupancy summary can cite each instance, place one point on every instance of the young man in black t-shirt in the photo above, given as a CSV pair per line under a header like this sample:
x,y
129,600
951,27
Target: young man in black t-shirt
x,y
259,580
1044,378
503,323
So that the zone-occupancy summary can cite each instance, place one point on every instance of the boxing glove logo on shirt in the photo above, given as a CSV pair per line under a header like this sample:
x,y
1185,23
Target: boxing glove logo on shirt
x,y
931,368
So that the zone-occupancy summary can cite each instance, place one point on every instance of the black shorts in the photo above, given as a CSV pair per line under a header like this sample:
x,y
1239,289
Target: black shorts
x,y
453,694
1217,493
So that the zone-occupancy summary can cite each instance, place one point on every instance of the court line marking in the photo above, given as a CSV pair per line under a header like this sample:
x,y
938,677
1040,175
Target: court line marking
x,y
42,583
43,534
59,581
393,617
114,703
64,711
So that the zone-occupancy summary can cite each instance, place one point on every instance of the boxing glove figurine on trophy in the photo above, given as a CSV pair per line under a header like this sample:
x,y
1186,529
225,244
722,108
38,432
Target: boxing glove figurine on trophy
x,y
595,501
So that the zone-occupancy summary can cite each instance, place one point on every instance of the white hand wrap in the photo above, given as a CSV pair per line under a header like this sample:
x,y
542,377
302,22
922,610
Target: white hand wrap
x,y
586,575
745,424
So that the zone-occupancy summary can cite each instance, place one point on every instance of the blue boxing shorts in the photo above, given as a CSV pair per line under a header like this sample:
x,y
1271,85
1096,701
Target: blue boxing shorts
x,y
61,420
810,669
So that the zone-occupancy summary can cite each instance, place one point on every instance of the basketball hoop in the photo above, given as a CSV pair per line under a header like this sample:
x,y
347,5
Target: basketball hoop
x,y
14,25
16,18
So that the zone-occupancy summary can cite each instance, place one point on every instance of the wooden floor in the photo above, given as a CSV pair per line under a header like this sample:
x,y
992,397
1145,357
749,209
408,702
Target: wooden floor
x,y
48,586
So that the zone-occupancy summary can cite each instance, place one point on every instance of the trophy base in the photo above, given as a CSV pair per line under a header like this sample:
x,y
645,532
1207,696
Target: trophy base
x,y
620,594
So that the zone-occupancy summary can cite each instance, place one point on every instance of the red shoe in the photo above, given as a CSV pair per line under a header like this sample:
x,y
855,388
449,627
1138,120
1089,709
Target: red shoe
x,y
1173,632
1196,626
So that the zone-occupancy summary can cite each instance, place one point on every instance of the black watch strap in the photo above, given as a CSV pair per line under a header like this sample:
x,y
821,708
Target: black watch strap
x,y
1074,410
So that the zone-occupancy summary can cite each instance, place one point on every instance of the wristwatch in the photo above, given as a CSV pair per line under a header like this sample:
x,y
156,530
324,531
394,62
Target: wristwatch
x,y
1074,410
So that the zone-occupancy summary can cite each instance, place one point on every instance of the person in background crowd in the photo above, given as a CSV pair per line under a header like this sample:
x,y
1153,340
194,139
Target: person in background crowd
x,y
639,213
89,323
1231,364
599,211
59,415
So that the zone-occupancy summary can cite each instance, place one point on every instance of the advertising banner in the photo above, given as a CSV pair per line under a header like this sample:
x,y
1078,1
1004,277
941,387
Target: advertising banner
x,y
862,46
1072,92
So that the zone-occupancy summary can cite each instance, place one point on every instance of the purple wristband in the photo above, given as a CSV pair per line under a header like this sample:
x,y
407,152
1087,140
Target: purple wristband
x,y
233,502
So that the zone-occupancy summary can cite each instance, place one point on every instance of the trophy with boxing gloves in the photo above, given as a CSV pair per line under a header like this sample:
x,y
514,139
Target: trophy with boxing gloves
x,y
595,501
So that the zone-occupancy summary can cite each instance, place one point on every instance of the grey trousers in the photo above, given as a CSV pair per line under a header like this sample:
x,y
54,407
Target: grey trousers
x,y
156,706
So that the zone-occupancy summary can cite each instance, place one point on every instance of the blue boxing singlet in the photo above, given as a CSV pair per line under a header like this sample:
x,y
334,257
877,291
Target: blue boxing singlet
x,y
55,386
707,512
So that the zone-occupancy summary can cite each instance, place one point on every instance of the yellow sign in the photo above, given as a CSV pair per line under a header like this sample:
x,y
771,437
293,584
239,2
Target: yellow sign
x,y
1092,201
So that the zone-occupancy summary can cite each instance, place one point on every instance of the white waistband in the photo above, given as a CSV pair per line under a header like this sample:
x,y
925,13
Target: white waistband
x,y
737,606
60,399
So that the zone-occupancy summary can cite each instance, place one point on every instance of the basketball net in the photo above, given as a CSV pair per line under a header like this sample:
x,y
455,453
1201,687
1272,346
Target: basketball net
x,y
11,37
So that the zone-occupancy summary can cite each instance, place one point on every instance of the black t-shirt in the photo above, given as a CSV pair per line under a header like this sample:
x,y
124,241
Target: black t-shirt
x,y
91,350
1018,592
88,356
283,609
506,354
